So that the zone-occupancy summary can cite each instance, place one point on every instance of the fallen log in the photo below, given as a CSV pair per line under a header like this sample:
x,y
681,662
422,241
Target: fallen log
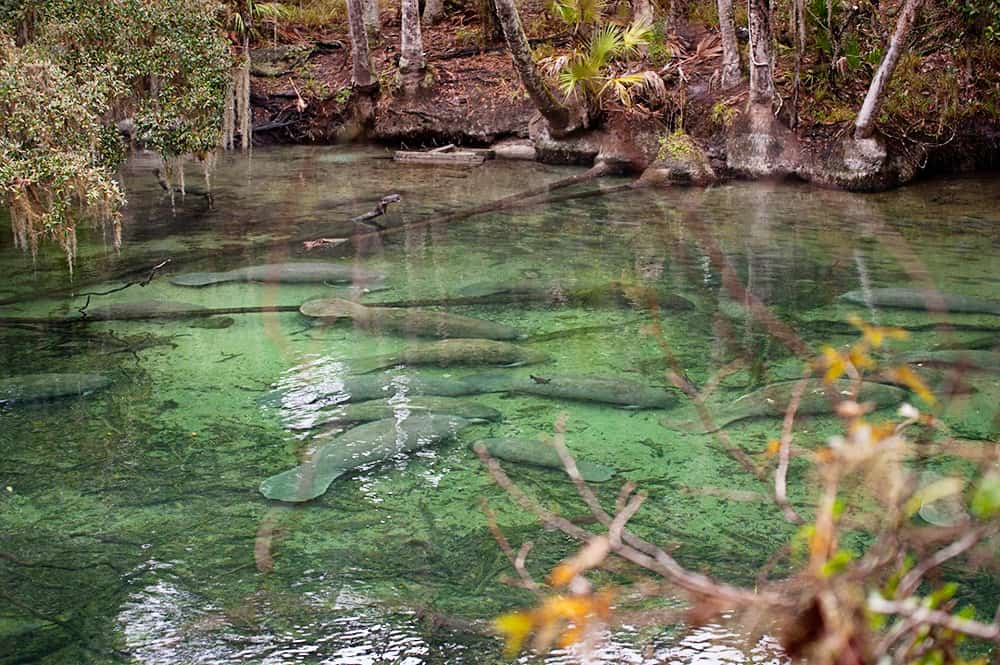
x,y
143,316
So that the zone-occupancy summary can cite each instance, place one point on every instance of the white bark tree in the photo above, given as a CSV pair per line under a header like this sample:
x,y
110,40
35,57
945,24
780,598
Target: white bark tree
x,y
373,22
864,124
361,66
411,51
761,76
730,48
433,11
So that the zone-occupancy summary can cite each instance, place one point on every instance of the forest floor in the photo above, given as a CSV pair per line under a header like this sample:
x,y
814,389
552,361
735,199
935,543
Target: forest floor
x,y
945,102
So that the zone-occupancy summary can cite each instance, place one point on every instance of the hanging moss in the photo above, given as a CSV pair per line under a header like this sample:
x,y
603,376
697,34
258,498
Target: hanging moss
x,y
162,63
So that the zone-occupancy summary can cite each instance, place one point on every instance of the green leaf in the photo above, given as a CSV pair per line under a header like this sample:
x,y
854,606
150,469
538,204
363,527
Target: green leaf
x,y
986,498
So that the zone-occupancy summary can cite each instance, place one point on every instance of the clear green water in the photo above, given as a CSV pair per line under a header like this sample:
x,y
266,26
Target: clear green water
x,y
128,518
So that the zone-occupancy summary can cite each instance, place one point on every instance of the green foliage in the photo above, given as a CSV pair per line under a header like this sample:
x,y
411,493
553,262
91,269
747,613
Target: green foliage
x,y
980,17
986,498
161,62
579,14
588,71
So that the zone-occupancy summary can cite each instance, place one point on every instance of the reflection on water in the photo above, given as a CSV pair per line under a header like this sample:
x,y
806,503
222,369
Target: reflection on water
x,y
395,563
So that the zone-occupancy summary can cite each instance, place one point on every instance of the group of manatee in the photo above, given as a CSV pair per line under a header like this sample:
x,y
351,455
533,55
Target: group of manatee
x,y
363,424
368,419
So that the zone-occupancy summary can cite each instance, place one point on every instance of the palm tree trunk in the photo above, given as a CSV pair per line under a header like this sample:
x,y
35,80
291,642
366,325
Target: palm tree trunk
x,y
411,51
433,11
560,118
373,22
492,32
361,66
761,79
730,49
864,125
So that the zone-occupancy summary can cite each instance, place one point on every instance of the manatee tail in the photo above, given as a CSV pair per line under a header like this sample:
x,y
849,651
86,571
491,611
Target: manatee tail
x,y
373,364
198,279
689,422
302,483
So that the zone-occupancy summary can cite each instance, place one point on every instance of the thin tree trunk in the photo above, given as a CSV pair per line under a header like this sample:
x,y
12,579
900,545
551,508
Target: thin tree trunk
x,y
799,31
361,66
411,52
730,48
761,79
642,11
490,20
864,125
373,22
560,118
675,14
433,11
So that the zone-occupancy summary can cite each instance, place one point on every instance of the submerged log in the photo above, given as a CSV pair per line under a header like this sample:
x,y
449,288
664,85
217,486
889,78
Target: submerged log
x,y
145,316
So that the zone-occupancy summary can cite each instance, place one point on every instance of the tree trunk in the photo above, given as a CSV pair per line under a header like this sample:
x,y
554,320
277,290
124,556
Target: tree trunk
x,y
675,14
433,11
864,125
361,66
411,51
761,79
642,11
490,20
560,118
730,48
373,22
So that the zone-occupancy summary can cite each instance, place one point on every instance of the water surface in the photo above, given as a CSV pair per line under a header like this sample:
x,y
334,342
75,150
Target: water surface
x,y
131,529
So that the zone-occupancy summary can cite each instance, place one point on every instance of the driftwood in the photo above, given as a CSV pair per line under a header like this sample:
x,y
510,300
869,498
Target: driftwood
x,y
142,316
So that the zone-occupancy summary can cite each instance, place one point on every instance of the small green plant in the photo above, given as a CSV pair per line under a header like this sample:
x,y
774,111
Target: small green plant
x,y
343,95
677,145
722,115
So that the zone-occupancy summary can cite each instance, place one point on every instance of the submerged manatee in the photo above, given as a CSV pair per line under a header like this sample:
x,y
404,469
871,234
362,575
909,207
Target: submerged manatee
x,y
921,299
372,387
144,309
986,361
450,352
609,293
419,322
40,387
280,273
362,412
539,453
366,444
772,401
584,388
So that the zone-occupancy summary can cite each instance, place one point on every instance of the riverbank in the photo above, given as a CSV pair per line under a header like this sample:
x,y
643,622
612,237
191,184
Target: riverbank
x,y
940,117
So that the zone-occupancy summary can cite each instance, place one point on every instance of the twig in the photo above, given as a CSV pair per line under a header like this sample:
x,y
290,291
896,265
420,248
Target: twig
x,y
912,610
144,282
784,453
516,560
912,579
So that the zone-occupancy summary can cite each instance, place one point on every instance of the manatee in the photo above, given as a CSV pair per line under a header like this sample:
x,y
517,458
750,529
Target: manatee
x,y
772,401
539,453
365,444
280,273
450,352
371,387
144,309
409,321
584,388
987,361
41,387
344,415
903,298
609,293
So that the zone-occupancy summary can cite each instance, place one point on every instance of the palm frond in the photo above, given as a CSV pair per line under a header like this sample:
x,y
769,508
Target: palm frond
x,y
604,45
636,35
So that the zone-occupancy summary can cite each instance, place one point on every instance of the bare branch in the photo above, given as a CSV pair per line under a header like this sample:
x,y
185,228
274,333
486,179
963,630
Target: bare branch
x,y
784,453
912,579
912,610
516,560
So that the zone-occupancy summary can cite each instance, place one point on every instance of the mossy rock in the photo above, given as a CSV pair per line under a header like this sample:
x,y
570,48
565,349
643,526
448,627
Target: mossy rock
x,y
680,160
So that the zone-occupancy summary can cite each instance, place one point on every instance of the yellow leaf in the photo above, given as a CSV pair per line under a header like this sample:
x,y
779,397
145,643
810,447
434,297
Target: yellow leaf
x,y
562,574
876,335
515,628
911,380
773,446
859,357
834,363
570,636
939,489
